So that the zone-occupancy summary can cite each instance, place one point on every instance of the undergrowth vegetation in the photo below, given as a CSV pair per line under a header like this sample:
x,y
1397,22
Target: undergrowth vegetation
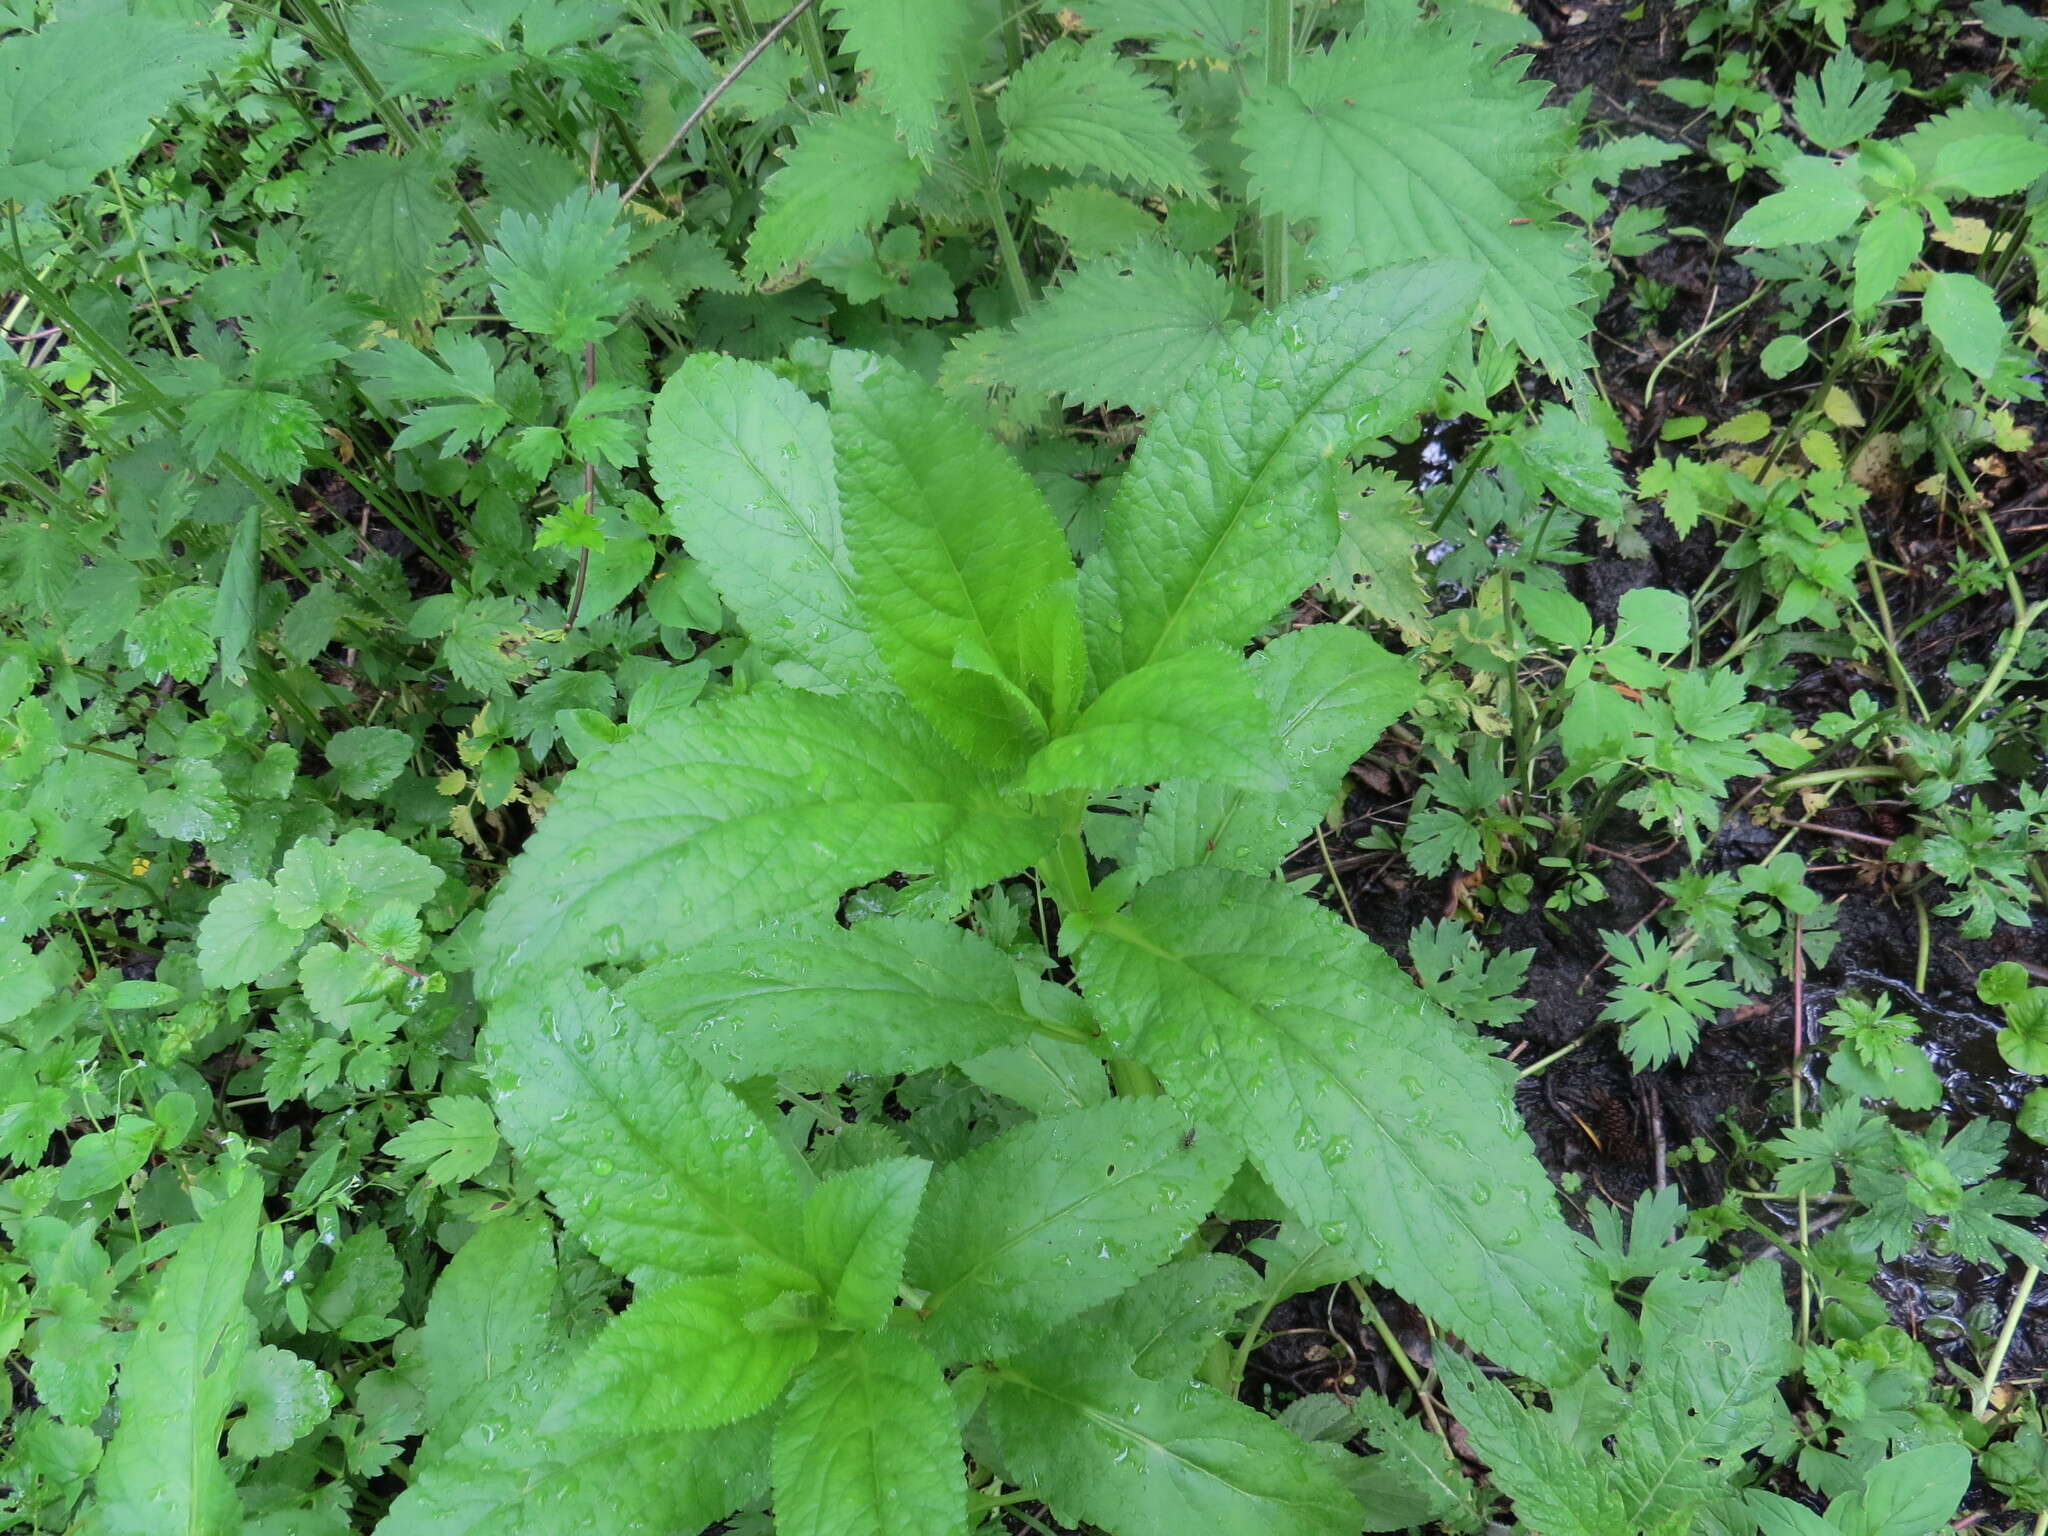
x,y
832,769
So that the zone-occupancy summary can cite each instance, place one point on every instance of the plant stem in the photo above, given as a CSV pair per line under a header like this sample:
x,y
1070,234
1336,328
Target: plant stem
x,y
992,192
1279,70
1980,1400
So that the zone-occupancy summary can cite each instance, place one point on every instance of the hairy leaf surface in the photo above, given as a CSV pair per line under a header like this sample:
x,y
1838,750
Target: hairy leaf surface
x,y
840,178
911,50
1074,108
1372,1113
1227,512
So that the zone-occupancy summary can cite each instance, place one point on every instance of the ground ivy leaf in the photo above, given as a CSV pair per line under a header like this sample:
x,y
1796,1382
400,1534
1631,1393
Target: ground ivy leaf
x,y
868,1445
367,758
960,570
1193,715
714,819
892,994
743,460
1052,1217
659,1169
1104,1445
283,1397
1226,512
162,1473
1372,1114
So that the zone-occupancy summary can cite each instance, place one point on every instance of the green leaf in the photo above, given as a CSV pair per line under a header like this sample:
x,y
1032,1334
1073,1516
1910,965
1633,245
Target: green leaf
x,y
162,1473
1654,620
962,573
367,758
1417,1461
683,1356
1820,200
856,1230
557,274
1989,165
1915,1492
1122,332
1080,109
234,609
283,1397
840,179
1166,1323
1052,1217
1417,141
174,635
491,1317
656,1167
1193,715
893,994
381,222
349,880
102,1160
1531,1458
1885,251
1378,1119
1106,1446
717,818
241,937
559,1458
1185,31
1226,512
1842,104
1330,691
910,51
457,1140
744,464
868,1445
60,124
1963,314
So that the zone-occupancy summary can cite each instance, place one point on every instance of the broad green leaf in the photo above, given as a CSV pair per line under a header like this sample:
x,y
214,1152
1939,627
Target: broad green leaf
x,y
1842,103
1885,251
1227,510
349,880
1193,715
491,1316
557,274
234,608
1418,1461
1126,331
1989,165
1330,692
911,51
1102,1444
381,220
683,1356
1912,1493
367,758
717,818
241,937
1417,141
657,1168
743,461
961,572
283,1396
856,1229
1166,1323
868,1445
163,1474
1186,31
1376,1117
894,994
1052,1217
1963,314
840,178
1820,200
1079,109
558,1457
1534,1461
77,98
1046,1076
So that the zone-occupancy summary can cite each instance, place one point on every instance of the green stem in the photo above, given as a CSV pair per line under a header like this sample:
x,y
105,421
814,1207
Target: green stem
x,y
1980,1400
1838,776
1279,70
992,192
2023,621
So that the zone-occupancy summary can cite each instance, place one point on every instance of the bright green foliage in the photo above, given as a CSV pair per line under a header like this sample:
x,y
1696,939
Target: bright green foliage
x,y
1417,141
839,180
913,50
1081,109
382,221
556,275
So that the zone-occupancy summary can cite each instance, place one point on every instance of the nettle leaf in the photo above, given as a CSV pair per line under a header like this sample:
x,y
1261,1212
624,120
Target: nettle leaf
x,y
1185,31
381,221
1227,510
1106,1446
743,460
558,1457
655,1166
1375,1116
1418,141
1329,691
1193,715
960,569
163,1473
1052,1217
1532,1458
1080,109
1123,332
60,125
910,50
557,274
856,1231
684,1357
845,172
892,994
720,817
868,1445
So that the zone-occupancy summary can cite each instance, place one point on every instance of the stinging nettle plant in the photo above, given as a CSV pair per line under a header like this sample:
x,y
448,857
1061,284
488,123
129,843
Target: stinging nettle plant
x,y
953,695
